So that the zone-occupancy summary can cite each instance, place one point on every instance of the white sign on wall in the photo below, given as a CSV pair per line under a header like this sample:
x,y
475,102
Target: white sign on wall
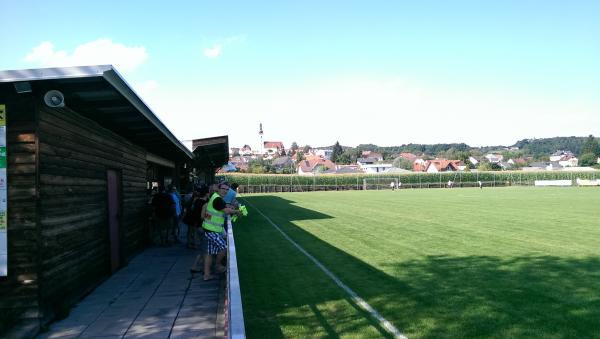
x,y
3,196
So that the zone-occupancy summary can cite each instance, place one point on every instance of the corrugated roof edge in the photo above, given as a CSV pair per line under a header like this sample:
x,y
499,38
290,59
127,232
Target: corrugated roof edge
x,y
53,73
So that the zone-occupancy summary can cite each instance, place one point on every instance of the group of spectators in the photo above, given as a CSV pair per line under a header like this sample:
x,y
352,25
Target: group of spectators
x,y
167,212
204,211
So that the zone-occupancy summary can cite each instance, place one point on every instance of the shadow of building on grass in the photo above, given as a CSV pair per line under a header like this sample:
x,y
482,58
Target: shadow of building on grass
x,y
433,296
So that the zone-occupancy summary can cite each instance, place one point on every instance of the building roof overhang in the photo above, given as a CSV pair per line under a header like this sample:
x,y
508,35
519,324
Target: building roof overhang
x,y
101,94
211,153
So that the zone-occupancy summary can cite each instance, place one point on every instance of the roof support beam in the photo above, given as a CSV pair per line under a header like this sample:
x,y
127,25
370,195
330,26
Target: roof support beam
x,y
159,160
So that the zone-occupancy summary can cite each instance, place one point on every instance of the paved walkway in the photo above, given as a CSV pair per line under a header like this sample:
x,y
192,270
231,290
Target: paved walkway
x,y
154,296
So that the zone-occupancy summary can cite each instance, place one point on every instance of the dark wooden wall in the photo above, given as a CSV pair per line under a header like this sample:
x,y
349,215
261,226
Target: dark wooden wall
x,y
75,154
19,290
57,206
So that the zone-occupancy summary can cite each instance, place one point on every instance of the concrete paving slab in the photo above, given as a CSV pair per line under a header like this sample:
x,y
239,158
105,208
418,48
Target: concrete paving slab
x,y
108,326
63,331
199,305
183,333
207,321
167,312
160,301
149,334
148,327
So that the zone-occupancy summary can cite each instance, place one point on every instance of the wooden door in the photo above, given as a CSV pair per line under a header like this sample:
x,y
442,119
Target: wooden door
x,y
113,180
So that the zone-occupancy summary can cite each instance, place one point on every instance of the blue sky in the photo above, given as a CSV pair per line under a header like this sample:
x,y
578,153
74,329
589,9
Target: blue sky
x,y
316,72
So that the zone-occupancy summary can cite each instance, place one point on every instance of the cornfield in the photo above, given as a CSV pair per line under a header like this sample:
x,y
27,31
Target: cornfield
x,y
257,183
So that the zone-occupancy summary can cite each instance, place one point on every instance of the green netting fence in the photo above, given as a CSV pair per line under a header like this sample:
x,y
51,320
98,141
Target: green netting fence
x,y
267,183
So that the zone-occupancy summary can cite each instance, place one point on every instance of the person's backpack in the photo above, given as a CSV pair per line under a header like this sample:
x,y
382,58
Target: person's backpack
x,y
163,205
193,213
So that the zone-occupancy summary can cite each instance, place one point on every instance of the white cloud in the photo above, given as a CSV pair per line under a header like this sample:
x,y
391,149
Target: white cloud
x,y
217,48
213,52
97,52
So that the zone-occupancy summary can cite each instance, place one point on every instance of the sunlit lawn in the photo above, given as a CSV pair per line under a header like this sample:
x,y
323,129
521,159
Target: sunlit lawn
x,y
505,262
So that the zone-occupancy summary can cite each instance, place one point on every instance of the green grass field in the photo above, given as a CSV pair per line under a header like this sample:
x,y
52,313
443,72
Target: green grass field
x,y
439,263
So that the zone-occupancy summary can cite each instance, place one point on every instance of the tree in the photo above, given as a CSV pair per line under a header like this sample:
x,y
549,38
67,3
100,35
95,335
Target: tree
x,y
588,159
306,149
387,155
403,163
590,146
299,156
259,166
294,148
484,166
488,166
347,157
337,152
464,157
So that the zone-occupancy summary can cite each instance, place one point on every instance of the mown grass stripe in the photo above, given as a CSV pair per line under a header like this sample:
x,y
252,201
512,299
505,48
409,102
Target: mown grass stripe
x,y
355,297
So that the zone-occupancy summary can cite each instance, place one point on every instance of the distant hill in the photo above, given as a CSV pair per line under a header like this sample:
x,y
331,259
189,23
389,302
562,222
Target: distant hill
x,y
533,147
550,145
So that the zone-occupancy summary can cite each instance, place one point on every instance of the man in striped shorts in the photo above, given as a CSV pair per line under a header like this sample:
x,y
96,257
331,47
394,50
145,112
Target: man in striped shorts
x,y
213,225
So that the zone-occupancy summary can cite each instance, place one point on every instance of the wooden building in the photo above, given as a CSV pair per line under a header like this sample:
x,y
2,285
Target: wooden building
x,y
82,150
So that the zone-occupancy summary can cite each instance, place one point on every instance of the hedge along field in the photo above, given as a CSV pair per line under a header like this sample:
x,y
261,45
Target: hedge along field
x,y
408,179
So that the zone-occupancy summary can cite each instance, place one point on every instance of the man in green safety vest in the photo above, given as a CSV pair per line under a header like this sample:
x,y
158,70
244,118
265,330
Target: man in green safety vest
x,y
213,225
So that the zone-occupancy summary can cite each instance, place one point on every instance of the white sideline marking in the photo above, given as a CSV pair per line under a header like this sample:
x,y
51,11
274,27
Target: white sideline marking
x,y
358,300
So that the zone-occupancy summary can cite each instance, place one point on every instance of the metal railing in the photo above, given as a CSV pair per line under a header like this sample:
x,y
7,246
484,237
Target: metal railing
x,y
235,313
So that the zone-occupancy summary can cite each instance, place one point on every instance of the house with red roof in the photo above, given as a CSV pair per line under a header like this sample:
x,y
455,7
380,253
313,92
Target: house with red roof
x,y
273,148
315,164
419,165
442,165
408,156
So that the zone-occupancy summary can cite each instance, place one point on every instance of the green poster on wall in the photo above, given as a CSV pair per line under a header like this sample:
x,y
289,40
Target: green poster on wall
x,y
2,156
